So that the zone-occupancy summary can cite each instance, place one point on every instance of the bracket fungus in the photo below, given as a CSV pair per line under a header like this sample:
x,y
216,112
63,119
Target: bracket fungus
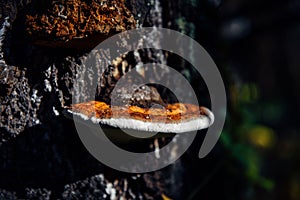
x,y
173,118
77,24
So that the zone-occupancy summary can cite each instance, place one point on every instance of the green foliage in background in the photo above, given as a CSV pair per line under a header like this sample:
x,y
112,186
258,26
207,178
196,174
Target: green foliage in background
x,y
245,135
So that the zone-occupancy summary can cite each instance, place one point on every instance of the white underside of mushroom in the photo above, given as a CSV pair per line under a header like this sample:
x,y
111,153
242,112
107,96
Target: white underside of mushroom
x,y
182,126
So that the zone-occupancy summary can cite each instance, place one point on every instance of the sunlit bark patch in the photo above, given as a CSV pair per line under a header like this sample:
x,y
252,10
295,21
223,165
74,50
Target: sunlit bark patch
x,y
64,21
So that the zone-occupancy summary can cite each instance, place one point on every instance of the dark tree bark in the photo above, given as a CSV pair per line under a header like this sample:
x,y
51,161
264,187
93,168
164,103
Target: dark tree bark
x,y
41,155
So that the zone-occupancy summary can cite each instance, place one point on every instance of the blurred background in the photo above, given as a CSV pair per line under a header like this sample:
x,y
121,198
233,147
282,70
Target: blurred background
x,y
256,45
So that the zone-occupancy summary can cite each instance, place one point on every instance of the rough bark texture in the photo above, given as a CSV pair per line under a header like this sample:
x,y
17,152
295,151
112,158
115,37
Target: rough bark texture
x,y
41,155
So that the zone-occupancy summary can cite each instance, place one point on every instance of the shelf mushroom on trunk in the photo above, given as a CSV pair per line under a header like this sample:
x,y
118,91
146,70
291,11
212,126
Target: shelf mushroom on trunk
x,y
173,118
